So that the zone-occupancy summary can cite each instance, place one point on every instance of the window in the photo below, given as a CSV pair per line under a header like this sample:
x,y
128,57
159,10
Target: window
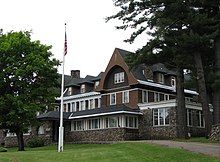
x,y
166,97
77,106
119,78
96,84
144,96
161,116
93,124
69,92
77,125
83,88
113,99
156,97
195,118
41,130
82,105
173,82
199,118
161,78
68,107
131,122
91,104
125,97
112,122
189,117
73,106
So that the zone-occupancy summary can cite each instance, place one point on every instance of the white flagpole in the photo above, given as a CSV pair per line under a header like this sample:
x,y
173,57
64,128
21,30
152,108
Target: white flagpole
x,y
61,129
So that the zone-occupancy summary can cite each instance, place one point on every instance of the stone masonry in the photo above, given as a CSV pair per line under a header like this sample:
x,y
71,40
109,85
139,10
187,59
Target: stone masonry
x,y
215,133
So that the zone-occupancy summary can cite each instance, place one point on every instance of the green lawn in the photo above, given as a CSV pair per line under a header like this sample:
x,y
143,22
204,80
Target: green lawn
x,y
129,151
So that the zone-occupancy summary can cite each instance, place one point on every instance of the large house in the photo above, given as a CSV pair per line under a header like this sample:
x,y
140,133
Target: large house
x,y
121,104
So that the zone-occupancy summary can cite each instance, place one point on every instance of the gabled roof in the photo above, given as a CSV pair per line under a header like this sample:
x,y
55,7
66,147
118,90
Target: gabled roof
x,y
117,59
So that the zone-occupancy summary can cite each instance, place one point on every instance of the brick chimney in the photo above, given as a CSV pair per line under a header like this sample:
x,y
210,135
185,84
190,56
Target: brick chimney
x,y
75,74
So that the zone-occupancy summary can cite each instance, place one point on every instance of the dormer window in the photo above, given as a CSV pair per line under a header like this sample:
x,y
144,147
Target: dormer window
x,y
173,82
96,84
69,92
161,78
83,88
119,77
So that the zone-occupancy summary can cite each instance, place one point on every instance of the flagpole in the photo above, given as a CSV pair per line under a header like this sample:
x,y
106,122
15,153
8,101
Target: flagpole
x,y
61,128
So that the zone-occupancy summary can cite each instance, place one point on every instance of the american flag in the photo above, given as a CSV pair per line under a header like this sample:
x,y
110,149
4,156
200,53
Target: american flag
x,y
65,45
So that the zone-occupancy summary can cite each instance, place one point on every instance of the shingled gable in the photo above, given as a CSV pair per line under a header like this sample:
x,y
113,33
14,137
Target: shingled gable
x,y
117,59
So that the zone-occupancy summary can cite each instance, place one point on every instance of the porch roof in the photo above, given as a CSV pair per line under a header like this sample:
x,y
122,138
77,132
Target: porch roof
x,y
103,111
114,109
53,115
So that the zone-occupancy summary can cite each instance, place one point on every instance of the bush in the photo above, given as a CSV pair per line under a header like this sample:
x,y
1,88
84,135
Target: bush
x,y
2,149
35,142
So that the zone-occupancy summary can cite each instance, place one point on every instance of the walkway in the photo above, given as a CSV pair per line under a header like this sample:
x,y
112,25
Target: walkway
x,y
203,148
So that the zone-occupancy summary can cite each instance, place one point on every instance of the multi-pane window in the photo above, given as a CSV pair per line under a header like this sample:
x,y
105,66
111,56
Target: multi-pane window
x,y
125,97
161,116
119,77
113,99
77,125
195,118
200,118
93,124
131,122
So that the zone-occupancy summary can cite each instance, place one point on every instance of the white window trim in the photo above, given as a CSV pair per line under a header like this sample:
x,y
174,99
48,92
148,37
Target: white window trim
x,y
111,103
123,97
158,119
119,77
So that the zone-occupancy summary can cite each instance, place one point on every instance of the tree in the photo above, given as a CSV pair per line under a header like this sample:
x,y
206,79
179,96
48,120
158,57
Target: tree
x,y
165,42
27,79
188,23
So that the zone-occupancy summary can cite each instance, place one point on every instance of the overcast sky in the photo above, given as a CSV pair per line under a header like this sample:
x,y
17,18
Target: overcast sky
x,y
91,41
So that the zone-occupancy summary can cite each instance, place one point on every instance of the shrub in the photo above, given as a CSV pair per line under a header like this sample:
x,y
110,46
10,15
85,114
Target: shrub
x,y
2,149
35,142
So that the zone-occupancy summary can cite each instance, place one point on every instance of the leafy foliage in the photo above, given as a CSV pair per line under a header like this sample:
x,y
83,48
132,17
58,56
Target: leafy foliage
x,y
35,142
2,149
27,79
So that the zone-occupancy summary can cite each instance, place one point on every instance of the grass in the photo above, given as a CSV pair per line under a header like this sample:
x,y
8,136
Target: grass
x,y
119,152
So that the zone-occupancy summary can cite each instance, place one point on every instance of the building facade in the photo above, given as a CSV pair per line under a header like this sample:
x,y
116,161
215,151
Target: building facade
x,y
121,104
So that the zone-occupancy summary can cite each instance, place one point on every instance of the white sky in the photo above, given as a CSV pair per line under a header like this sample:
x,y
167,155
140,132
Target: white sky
x,y
91,41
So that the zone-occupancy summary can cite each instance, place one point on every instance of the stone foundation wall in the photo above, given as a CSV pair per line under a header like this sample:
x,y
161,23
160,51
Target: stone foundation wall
x,y
111,134
215,133
148,131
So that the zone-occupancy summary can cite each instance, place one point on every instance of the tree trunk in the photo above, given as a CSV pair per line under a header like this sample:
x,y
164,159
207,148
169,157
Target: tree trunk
x,y
20,140
202,91
181,108
216,90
